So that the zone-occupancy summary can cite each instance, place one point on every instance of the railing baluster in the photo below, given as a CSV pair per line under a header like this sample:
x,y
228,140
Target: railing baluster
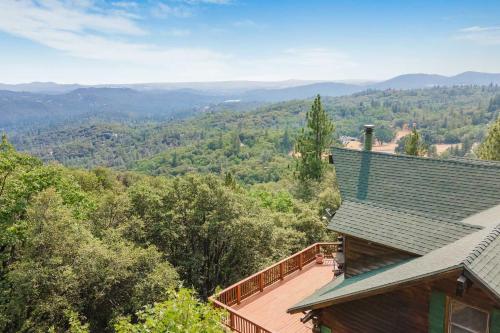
x,y
238,294
231,320
260,281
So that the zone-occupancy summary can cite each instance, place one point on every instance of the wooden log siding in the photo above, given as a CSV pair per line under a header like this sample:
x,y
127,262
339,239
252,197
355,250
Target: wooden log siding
x,y
399,311
263,279
362,256
409,309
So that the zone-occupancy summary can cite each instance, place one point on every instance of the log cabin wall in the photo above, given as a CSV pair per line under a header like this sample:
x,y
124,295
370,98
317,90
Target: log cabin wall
x,y
404,310
398,311
362,256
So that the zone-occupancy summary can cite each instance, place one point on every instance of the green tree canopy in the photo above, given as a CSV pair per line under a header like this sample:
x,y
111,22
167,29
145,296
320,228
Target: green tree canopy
x,y
62,267
182,312
490,147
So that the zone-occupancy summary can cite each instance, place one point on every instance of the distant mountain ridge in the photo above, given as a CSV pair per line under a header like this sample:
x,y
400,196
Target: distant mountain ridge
x,y
415,81
222,87
23,108
255,89
33,103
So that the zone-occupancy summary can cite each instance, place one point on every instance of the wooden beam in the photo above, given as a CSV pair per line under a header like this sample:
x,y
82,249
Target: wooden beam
x,y
463,284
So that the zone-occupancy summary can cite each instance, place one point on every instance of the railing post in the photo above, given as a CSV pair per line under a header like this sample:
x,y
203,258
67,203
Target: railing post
x,y
238,294
261,282
281,270
301,260
231,320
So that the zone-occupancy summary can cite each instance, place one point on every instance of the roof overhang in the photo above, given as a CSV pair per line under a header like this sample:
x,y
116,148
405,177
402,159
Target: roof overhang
x,y
450,272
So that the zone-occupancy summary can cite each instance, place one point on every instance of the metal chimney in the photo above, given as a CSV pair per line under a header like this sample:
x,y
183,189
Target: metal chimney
x,y
368,137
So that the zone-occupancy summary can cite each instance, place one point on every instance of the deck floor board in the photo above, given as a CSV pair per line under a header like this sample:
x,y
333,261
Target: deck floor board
x,y
268,308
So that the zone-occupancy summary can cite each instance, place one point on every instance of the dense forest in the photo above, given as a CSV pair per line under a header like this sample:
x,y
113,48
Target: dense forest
x,y
100,244
255,145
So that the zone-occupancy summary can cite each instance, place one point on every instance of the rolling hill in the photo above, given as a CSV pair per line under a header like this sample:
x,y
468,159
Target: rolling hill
x,y
45,103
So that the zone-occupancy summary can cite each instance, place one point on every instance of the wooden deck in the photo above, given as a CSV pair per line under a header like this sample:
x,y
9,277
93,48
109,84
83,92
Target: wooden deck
x,y
268,308
258,303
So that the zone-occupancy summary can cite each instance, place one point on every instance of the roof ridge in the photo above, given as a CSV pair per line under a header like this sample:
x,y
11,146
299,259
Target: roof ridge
x,y
413,212
483,245
468,162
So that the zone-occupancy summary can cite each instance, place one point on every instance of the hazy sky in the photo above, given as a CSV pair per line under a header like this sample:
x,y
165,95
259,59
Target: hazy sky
x,y
97,41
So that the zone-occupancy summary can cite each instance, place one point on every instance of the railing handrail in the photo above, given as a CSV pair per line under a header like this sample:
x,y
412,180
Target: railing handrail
x,y
236,312
276,265
229,291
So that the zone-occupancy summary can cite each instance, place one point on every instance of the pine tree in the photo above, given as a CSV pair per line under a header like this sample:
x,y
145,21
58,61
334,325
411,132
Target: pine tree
x,y
313,141
286,143
174,162
220,142
414,145
229,180
235,143
490,148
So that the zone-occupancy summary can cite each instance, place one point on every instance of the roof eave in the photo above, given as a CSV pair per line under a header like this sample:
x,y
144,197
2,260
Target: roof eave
x,y
376,291
488,290
379,243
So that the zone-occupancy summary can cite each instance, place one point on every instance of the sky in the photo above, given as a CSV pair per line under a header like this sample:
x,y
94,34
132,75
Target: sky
x,y
127,41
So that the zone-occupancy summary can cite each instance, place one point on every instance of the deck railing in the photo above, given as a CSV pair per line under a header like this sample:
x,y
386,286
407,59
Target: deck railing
x,y
259,281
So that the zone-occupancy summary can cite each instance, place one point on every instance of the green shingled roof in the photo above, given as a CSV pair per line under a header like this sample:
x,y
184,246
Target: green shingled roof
x,y
437,188
397,228
447,211
484,262
478,253
394,200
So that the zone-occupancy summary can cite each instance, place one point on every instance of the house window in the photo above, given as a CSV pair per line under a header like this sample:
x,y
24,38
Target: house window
x,y
467,319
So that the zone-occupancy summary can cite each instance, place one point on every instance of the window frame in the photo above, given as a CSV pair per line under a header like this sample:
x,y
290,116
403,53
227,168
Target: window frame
x,y
449,314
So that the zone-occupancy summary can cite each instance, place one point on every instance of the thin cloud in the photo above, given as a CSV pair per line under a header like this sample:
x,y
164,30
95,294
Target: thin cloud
x,y
28,18
211,2
480,35
126,4
111,40
179,32
162,10
246,23
303,63
84,34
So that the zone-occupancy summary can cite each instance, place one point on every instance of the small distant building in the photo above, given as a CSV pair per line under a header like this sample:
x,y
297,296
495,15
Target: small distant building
x,y
344,139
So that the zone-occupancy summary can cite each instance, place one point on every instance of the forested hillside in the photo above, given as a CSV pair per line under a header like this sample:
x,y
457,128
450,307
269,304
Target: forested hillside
x,y
20,109
255,145
101,244
93,244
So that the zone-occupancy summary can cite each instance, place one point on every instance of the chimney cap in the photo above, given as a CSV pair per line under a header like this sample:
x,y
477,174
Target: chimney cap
x,y
369,128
